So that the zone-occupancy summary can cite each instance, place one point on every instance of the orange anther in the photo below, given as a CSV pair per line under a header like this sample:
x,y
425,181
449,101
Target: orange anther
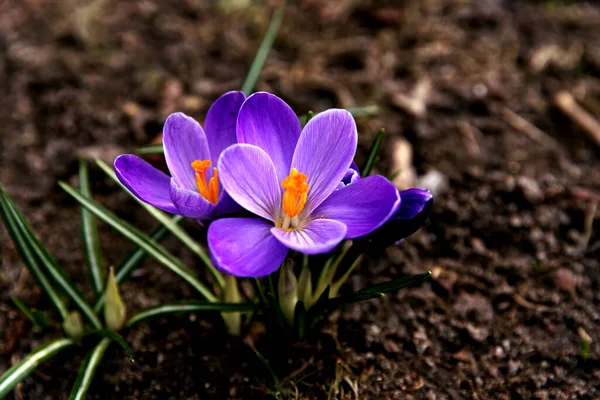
x,y
296,190
210,190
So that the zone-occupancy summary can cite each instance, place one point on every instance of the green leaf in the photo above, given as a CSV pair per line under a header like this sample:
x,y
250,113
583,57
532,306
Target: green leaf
x,y
150,149
87,370
263,52
114,336
138,237
36,317
357,112
22,369
300,319
28,257
376,291
364,111
373,153
50,266
134,259
89,233
175,229
190,306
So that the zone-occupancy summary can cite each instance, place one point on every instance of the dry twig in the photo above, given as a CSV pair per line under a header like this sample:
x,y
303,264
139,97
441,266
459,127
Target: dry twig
x,y
520,124
567,104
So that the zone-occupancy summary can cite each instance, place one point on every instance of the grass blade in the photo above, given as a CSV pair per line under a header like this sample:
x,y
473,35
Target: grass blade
x,y
263,52
143,240
28,257
127,266
189,307
175,229
373,153
87,370
36,318
364,111
150,149
51,267
22,369
376,291
114,336
89,233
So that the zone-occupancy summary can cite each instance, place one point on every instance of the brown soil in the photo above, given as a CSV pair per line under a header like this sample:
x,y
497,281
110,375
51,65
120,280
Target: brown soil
x,y
515,273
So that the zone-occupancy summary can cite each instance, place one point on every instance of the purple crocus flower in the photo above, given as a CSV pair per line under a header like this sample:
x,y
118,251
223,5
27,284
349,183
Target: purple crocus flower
x,y
193,188
289,178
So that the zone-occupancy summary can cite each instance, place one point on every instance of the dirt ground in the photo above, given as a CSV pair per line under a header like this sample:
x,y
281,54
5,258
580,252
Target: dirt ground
x,y
469,87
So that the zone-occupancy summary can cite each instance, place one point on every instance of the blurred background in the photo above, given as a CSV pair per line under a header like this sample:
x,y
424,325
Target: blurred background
x,y
491,104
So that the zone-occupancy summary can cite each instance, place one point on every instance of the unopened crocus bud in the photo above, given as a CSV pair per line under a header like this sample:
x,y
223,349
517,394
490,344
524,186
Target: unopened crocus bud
x,y
114,308
288,290
233,320
305,293
73,325
415,207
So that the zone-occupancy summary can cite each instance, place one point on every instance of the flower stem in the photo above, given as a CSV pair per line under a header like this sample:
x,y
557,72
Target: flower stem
x,y
231,294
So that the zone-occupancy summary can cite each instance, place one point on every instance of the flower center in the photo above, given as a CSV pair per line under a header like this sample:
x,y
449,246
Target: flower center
x,y
294,197
208,190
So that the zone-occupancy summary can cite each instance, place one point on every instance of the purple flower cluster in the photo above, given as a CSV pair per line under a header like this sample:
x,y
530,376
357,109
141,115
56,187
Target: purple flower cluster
x,y
299,186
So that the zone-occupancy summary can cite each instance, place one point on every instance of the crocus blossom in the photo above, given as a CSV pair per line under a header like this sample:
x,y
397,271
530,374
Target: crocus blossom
x,y
289,178
191,153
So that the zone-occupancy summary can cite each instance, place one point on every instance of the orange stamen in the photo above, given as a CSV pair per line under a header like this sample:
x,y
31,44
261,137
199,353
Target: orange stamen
x,y
296,190
210,190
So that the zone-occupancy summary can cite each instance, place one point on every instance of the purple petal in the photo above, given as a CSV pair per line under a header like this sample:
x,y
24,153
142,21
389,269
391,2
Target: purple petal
x,y
220,123
184,141
144,181
190,203
363,206
268,122
244,247
351,176
248,175
225,205
324,153
414,201
318,236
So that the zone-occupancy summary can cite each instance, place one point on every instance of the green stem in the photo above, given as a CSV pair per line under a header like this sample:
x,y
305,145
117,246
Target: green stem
x,y
335,287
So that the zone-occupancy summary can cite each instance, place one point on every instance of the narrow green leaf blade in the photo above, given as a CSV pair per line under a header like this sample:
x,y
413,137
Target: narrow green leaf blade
x,y
263,52
377,290
175,229
89,233
114,336
51,267
189,307
373,153
150,149
22,369
36,318
87,370
26,253
158,252
134,259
